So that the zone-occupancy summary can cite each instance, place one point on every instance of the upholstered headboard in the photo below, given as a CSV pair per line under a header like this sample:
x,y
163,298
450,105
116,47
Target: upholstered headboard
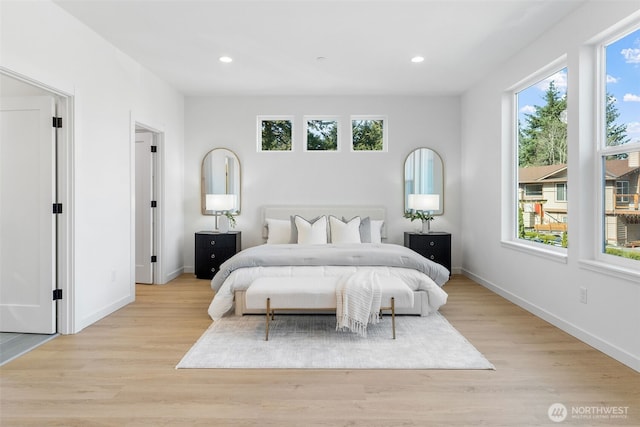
x,y
311,211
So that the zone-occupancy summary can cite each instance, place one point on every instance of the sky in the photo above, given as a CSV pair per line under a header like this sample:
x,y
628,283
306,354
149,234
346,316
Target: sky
x,y
623,82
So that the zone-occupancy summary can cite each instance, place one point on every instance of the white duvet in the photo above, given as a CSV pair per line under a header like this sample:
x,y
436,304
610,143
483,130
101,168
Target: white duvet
x,y
241,278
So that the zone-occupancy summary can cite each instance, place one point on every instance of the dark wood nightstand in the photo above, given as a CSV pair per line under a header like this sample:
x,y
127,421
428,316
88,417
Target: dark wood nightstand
x,y
435,246
212,249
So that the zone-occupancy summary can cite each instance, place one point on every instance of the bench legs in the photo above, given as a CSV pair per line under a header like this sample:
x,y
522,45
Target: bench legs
x,y
270,314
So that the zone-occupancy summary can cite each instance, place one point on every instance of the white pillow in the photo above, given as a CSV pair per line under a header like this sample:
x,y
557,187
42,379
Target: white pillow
x,y
376,231
345,232
279,231
312,234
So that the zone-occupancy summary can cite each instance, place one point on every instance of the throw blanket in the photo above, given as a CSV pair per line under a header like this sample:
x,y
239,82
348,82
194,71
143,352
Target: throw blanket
x,y
358,299
360,254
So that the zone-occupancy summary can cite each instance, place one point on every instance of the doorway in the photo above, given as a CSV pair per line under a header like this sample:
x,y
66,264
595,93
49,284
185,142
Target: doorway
x,y
146,204
34,207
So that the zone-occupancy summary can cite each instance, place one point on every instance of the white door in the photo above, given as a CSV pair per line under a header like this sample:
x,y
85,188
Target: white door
x,y
144,211
27,222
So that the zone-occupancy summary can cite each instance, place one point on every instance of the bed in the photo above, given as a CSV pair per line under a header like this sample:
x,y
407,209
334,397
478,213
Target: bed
x,y
326,241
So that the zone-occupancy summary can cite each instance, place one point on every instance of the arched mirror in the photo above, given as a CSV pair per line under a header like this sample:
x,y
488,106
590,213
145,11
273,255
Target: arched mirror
x,y
220,181
424,175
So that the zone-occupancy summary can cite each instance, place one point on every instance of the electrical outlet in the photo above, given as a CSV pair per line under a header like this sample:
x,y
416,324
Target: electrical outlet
x,y
583,294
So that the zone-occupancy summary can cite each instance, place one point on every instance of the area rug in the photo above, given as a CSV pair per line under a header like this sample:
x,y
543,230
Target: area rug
x,y
311,342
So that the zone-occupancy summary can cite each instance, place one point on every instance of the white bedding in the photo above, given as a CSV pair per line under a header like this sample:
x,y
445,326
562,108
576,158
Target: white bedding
x,y
241,279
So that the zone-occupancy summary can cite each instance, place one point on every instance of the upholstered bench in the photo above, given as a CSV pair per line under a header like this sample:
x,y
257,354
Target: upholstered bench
x,y
317,294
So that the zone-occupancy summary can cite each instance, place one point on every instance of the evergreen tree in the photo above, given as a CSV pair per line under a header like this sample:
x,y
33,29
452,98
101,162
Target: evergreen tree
x,y
616,133
543,138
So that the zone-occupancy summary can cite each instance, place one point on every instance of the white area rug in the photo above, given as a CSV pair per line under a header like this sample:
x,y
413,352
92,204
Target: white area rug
x,y
311,342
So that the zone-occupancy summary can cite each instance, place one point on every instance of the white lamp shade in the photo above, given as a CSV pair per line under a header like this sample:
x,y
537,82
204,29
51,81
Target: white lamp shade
x,y
220,202
424,202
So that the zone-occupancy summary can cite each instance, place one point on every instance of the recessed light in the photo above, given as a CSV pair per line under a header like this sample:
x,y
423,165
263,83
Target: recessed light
x,y
225,59
417,59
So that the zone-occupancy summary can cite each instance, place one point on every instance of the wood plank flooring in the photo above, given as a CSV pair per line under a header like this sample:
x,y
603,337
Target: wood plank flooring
x,y
121,372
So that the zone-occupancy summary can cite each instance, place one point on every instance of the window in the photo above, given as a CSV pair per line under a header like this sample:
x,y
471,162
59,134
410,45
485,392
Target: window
x,y
368,133
533,190
275,133
561,193
321,134
620,147
541,141
622,192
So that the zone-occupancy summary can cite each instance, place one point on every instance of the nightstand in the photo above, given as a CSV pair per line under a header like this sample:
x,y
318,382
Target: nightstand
x,y
212,249
435,246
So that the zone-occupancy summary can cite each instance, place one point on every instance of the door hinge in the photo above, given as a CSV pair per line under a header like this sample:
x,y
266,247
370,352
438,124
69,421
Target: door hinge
x,y
57,294
154,148
154,258
57,122
154,204
57,208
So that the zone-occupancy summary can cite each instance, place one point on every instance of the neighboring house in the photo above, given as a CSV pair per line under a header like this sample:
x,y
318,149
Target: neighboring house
x,y
542,192
622,217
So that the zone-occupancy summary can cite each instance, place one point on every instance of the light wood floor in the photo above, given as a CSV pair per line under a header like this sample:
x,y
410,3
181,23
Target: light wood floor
x,y
121,371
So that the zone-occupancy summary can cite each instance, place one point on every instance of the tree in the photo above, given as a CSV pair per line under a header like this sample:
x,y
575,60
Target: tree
x,y
543,138
322,135
276,135
616,133
367,135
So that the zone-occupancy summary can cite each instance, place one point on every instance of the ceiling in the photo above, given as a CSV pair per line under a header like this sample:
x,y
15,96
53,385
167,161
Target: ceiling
x,y
320,47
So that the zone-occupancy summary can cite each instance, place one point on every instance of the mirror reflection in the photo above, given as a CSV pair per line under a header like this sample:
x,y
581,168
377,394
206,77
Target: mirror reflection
x,y
220,176
424,174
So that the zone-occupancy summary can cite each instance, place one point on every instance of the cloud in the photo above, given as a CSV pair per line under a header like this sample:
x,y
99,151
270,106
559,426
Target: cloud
x,y
629,97
631,55
528,109
633,129
559,80
611,79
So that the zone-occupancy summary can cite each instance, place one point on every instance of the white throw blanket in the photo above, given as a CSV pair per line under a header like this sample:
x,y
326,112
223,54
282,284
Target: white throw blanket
x,y
358,299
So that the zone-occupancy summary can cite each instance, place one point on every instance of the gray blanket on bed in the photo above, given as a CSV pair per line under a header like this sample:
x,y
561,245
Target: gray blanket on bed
x,y
361,254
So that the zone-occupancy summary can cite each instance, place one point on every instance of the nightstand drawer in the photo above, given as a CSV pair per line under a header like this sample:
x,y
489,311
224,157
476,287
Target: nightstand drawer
x,y
435,246
212,249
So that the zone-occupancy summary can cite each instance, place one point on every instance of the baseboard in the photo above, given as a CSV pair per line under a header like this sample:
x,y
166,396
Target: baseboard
x,y
102,313
604,346
172,275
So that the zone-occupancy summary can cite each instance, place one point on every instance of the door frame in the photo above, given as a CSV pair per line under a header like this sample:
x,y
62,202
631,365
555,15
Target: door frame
x,y
158,189
65,276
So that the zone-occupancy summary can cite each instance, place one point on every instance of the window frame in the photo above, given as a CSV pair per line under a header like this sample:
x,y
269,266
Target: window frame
x,y
562,185
510,166
616,265
263,118
334,119
385,132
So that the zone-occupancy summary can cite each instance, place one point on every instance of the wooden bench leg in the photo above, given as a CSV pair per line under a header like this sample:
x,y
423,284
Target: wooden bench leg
x,y
393,316
266,336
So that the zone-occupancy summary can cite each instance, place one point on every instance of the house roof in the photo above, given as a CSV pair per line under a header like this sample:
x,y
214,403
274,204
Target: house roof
x,y
558,173
548,173
618,168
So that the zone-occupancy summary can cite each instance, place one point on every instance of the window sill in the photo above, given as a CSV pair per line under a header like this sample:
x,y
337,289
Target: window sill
x,y
629,274
550,253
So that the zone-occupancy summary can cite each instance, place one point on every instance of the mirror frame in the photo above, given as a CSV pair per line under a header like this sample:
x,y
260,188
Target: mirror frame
x,y
202,183
404,180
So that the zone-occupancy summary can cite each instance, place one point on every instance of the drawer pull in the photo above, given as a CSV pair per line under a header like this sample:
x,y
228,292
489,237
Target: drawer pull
x,y
432,257
213,242
432,243
213,269
213,256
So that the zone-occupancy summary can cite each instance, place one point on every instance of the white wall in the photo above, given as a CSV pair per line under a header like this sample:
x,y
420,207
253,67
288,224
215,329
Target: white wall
x,y
44,43
301,177
547,287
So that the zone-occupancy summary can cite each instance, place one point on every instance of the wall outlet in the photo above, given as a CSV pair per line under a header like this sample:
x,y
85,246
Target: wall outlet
x,y
583,294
